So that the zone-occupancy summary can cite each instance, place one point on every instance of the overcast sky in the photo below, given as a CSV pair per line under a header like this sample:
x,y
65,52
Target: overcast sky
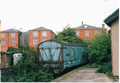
x,y
54,14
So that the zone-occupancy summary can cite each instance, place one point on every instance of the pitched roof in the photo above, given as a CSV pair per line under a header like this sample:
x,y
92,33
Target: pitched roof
x,y
11,30
110,19
39,29
87,27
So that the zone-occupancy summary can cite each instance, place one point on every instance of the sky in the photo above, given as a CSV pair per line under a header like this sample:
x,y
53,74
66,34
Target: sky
x,y
54,14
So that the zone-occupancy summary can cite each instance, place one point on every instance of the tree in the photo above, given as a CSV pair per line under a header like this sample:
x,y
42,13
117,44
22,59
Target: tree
x,y
100,48
68,34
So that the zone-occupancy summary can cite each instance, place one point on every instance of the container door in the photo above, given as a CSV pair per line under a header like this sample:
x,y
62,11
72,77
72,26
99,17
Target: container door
x,y
50,51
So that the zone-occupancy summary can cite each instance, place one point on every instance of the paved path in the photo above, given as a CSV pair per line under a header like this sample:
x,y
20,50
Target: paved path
x,y
0,75
83,75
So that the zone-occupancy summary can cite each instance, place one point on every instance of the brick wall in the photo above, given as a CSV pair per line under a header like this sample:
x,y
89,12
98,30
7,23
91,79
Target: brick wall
x,y
8,39
39,37
82,33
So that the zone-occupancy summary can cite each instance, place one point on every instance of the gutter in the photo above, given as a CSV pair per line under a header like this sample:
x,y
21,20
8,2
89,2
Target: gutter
x,y
112,17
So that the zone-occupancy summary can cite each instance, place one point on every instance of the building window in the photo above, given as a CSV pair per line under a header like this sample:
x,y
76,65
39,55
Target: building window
x,y
44,33
97,32
13,35
72,52
44,39
87,39
12,42
86,33
2,42
34,41
34,34
77,33
2,35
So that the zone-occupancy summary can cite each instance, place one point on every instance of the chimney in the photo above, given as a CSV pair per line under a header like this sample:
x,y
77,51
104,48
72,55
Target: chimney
x,y
82,22
103,26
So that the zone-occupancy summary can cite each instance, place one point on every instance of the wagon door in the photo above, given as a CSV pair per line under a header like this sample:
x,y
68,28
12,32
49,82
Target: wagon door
x,y
50,53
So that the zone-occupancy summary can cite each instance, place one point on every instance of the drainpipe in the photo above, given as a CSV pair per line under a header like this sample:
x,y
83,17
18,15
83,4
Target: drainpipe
x,y
39,36
8,38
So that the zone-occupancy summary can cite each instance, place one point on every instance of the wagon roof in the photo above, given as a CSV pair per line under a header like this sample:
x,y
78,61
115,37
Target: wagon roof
x,y
66,43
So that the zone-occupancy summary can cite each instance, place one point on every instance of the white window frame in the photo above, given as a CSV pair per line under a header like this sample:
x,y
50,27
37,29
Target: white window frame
x,y
34,34
44,33
12,35
35,40
2,42
97,32
86,33
12,41
77,32
44,39
2,35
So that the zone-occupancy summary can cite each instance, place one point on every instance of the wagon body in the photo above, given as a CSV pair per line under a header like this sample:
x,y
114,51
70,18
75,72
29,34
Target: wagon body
x,y
60,55
74,55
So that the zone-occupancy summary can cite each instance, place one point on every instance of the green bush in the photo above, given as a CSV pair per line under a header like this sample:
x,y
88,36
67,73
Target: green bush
x,y
100,53
105,68
100,48
11,49
27,69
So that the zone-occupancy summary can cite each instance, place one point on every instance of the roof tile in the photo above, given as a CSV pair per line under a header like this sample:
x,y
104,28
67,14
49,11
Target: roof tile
x,y
39,29
87,27
11,30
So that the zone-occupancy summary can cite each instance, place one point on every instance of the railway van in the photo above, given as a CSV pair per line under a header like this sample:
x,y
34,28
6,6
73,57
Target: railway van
x,y
60,55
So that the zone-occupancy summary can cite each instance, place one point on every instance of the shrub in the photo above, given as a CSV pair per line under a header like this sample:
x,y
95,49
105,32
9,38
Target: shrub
x,y
105,68
100,48
27,69
11,49
100,53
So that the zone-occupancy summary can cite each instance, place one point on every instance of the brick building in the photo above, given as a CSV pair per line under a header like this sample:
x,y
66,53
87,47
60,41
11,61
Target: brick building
x,y
39,35
10,38
85,31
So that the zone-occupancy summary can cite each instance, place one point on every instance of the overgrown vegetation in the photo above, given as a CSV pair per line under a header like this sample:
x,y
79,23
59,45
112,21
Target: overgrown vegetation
x,y
27,69
68,34
100,53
